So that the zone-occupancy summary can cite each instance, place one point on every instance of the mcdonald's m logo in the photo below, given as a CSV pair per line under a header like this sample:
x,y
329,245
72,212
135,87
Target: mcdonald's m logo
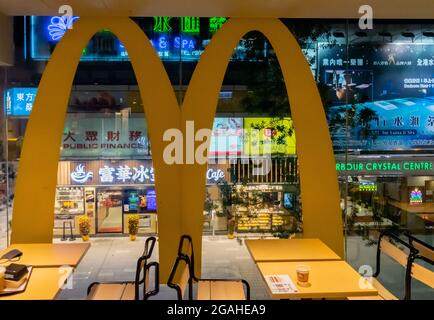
x,y
179,186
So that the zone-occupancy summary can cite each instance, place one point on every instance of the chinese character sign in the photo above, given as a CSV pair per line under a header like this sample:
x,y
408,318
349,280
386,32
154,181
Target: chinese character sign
x,y
19,101
100,135
398,124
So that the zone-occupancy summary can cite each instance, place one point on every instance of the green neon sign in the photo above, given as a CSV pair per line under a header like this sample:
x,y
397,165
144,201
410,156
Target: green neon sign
x,y
190,24
162,24
385,166
216,23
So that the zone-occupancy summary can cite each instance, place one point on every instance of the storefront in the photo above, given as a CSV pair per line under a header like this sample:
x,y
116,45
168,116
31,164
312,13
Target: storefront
x,y
401,187
107,192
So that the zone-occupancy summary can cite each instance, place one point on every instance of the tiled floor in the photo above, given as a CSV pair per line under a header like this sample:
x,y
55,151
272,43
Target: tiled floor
x,y
111,259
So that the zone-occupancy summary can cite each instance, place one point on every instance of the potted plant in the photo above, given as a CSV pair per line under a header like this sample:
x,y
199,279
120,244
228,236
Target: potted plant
x,y
231,228
133,226
84,225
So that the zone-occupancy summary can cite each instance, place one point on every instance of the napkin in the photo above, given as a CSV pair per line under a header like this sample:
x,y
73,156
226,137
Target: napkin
x,y
280,283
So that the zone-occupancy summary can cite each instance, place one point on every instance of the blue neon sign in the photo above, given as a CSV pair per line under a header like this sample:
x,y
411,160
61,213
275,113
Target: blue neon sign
x,y
19,101
58,26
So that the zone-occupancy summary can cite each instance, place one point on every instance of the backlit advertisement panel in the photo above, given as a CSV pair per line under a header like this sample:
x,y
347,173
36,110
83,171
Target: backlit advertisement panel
x,y
227,137
264,136
398,124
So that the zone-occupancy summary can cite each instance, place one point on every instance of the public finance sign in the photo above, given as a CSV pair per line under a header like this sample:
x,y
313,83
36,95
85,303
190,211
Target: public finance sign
x,y
104,135
123,172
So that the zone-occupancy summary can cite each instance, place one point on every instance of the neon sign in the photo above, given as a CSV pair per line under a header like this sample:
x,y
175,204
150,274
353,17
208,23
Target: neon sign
x,y
58,26
216,23
79,175
385,166
190,24
162,24
215,175
415,196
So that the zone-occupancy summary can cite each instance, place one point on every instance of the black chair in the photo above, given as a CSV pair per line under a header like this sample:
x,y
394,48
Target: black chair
x,y
130,290
183,276
387,245
426,254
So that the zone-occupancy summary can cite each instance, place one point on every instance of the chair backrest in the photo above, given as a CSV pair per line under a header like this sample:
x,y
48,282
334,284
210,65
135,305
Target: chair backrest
x,y
143,268
186,249
425,253
149,247
179,278
406,259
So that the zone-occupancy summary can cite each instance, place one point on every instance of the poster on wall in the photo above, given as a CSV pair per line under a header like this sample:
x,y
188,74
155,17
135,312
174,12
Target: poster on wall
x,y
265,136
227,137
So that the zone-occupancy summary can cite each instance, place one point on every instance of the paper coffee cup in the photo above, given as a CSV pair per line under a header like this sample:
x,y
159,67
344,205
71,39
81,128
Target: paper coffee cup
x,y
302,273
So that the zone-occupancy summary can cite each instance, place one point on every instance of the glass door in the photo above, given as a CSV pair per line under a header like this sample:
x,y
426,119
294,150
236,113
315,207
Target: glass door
x,y
109,211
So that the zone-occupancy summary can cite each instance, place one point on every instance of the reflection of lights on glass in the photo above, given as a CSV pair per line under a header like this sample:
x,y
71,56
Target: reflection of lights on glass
x,y
416,196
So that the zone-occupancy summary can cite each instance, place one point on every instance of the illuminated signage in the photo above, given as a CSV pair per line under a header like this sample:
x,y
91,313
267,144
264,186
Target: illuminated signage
x,y
58,26
227,137
385,166
368,186
264,136
121,172
19,101
190,24
216,23
100,135
415,196
215,175
169,40
79,175
162,24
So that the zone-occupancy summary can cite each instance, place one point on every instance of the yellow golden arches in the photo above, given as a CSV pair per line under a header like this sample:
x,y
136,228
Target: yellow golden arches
x,y
318,178
35,191
179,187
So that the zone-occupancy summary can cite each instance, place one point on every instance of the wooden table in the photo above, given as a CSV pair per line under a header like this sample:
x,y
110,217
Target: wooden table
x,y
50,254
327,279
44,284
279,250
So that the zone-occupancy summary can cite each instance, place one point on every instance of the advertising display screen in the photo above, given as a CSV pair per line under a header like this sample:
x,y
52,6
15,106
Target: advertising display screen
x,y
288,200
265,136
377,72
397,82
399,124
227,137
152,200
